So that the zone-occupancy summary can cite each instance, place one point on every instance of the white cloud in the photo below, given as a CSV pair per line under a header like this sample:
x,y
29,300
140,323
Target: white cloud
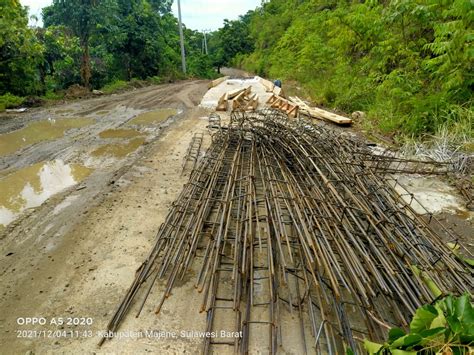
x,y
198,15
210,14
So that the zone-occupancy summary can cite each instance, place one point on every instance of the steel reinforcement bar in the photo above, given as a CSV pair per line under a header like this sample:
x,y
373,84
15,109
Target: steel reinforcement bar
x,y
282,217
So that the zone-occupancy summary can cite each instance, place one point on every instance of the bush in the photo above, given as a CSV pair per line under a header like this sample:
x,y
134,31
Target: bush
x,y
9,101
114,86
155,80
446,327
53,96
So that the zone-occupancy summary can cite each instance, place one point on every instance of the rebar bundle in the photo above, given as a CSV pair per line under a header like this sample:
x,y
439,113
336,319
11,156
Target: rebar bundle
x,y
192,153
284,217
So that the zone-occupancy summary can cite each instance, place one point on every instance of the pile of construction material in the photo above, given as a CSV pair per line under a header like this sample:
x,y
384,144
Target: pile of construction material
x,y
218,81
282,104
316,112
193,152
250,91
216,95
292,231
242,100
293,106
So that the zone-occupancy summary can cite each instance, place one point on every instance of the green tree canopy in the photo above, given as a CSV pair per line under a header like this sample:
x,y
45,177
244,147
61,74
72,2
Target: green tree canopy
x,y
20,51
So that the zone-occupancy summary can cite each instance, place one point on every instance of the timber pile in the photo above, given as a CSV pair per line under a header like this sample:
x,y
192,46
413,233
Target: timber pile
x,y
318,113
223,102
282,104
216,82
242,100
292,232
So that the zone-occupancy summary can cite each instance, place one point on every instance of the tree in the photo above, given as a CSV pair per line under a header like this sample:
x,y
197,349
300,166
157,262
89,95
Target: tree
x,y
231,40
82,17
62,57
408,63
20,52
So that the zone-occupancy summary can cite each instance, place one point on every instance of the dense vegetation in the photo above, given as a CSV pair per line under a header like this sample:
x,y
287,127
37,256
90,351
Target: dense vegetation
x,y
407,63
93,43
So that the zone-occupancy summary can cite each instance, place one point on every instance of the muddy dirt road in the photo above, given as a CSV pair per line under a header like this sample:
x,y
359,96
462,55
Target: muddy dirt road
x,y
73,256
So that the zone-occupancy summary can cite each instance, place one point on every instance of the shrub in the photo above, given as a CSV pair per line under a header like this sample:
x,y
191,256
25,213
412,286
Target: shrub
x,y
447,327
114,86
9,101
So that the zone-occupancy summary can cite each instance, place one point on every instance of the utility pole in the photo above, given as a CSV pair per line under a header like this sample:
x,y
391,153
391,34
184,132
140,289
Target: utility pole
x,y
181,38
205,42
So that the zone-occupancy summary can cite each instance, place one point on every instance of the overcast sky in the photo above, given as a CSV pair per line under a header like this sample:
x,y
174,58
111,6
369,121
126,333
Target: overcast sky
x,y
197,15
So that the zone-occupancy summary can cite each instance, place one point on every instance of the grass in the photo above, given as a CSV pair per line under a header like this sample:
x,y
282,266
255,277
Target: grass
x,y
53,96
115,86
121,85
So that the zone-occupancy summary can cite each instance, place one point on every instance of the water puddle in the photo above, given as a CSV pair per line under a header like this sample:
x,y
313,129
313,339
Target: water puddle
x,y
119,133
153,117
31,186
119,150
37,132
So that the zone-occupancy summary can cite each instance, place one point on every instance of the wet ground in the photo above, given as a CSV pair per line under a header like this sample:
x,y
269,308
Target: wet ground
x,y
40,151
83,189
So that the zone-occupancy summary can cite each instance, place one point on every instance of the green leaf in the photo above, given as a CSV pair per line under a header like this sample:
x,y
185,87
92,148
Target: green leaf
x,y
454,324
399,342
468,261
428,333
402,352
449,305
453,246
371,347
412,339
423,318
394,334
349,351
455,249
434,334
463,309
440,320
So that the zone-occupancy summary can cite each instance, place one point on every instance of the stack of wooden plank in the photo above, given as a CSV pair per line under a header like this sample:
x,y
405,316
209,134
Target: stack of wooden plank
x,y
290,108
242,100
316,112
217,81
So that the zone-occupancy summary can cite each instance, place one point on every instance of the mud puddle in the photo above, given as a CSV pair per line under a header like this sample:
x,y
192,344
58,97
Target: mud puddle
x,y
119,150
153,117
39,131
31,186
119,133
